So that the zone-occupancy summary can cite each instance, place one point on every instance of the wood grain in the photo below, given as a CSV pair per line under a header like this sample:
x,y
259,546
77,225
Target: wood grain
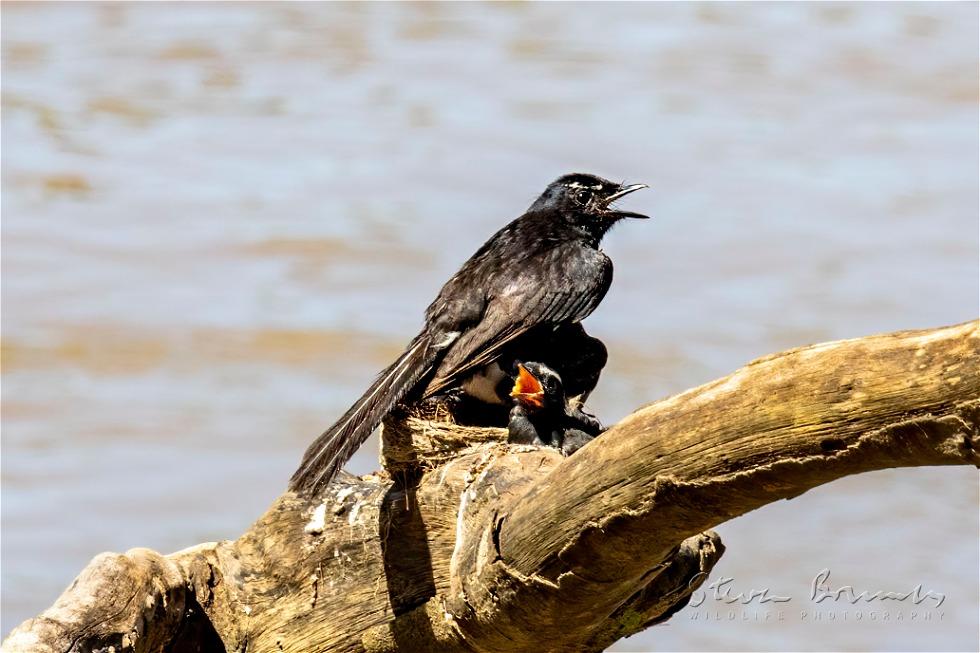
x,y
498,547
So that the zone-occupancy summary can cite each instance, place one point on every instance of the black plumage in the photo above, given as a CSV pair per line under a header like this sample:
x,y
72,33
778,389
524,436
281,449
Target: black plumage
x,y
542,414
573,354
541,272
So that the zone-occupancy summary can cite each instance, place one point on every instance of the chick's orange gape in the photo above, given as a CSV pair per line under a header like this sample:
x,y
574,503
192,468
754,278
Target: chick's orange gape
x,y
527,388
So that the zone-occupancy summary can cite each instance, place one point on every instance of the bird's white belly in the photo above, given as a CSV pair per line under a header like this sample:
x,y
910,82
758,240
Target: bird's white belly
x,y
483,384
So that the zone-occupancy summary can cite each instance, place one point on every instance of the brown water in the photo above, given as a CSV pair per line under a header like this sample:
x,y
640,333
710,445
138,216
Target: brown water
x,y
220,220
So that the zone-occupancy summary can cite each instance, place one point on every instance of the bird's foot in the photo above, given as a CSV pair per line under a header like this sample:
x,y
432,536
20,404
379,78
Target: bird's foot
x,y
586,421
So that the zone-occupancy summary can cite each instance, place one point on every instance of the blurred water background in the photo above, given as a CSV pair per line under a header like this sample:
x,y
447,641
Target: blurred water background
x,y
221,220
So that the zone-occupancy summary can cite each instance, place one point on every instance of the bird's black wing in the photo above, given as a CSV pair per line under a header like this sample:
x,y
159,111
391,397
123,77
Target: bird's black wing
x,y
556,289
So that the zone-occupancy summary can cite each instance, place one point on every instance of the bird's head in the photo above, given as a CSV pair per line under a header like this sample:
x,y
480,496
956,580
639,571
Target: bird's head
x,y
537,387
587,200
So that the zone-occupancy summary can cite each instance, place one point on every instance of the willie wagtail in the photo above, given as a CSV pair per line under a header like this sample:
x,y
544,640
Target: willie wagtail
x,y
542,272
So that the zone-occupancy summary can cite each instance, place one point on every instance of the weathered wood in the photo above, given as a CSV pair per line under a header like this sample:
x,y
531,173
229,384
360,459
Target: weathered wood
x,y
506,547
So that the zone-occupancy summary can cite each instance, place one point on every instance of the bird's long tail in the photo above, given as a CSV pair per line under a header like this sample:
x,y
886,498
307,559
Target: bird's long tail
x,y
328,453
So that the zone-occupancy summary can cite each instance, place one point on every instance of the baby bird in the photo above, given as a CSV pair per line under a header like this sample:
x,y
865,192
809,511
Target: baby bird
x,y
542,414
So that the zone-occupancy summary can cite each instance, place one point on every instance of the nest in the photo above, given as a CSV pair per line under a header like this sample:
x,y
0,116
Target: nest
x,y
424,437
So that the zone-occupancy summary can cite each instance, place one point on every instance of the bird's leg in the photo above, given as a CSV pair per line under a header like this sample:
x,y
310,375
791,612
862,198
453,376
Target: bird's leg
x,y
583,420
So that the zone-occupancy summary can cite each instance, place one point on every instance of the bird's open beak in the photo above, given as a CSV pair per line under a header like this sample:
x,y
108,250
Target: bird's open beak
x,y
527,389
625,190
622,192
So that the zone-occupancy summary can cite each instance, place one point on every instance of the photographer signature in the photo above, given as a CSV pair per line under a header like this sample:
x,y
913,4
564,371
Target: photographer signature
x,y
722,590
820,590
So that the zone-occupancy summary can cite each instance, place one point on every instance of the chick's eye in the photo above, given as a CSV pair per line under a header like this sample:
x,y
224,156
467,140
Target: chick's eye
x,y
583,196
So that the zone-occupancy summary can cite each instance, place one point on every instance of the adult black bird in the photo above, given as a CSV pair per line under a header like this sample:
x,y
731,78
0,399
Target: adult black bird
x,y
544,270
542,414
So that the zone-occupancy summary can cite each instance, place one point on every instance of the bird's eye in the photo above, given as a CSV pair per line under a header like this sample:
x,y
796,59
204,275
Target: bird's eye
x,y
583,196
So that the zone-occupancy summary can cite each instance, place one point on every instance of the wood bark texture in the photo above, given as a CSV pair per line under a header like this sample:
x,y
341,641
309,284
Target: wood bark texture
x,y
467,543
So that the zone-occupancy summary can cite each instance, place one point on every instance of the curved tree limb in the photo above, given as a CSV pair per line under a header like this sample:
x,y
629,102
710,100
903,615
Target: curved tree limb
x,y
505,547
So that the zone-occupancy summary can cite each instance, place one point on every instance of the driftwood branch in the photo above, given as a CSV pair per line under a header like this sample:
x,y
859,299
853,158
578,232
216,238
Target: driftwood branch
x,y
469,544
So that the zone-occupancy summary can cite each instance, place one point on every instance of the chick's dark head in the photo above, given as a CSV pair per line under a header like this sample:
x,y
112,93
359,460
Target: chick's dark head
x,y
538,387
